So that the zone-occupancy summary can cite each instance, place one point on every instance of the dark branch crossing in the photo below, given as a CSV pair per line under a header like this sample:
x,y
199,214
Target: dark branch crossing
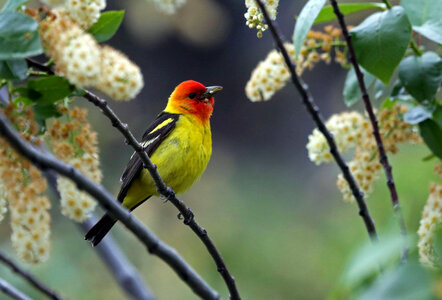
x,y
313,110
153,243
374,122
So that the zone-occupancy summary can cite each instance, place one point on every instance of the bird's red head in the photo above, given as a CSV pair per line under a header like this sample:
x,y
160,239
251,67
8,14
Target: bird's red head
x,y
191,97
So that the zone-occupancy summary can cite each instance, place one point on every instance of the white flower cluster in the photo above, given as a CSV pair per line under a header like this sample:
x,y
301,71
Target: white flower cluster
x,y
255,17
431,218
348,128
83,12
80,58
365,169
120,78
84,63
269,76
30,229
81,152
352,130
3,203
30,218
169,6
75,204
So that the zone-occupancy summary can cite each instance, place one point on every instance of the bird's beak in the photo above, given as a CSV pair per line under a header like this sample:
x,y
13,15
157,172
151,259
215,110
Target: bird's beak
x,y
210,91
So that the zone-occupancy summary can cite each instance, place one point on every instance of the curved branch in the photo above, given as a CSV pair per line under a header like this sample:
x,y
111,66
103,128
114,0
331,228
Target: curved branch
x,y
374,122
163,189
110,253
30,278
11,291
153,243
313,110
122,270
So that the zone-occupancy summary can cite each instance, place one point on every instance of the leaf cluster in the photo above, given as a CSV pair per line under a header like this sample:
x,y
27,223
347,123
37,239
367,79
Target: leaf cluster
x,y
20,40
395,68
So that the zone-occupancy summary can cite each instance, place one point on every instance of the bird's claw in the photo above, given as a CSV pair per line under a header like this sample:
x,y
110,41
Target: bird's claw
x,y
187,219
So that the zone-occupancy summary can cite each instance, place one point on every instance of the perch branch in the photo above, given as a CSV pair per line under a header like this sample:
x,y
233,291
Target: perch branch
x,y
11,291
313,110
110,253
153,243
30,278
163,189
374,122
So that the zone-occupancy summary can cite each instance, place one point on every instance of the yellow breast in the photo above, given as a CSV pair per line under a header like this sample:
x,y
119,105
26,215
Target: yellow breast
x,y
181,158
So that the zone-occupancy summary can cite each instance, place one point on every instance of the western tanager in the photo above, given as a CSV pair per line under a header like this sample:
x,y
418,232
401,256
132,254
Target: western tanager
x,y
179,142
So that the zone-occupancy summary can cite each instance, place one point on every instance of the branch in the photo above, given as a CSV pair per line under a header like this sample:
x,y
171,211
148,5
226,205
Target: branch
x,y
374,122
313,110
154,245
115,260
163,189
110,253
11,291
30,278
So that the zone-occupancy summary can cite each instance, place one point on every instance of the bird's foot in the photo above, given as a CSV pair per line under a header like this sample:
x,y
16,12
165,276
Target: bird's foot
x,y
187,219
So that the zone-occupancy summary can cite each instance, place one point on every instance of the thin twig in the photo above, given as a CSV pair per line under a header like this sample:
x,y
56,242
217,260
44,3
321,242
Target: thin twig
x,y
153,243
387,3
163,189
110,253
168,193
415,47
30,278
12,291
313,110
374,122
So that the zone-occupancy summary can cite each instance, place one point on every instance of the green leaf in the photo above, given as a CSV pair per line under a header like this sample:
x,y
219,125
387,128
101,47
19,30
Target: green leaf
x,y
352,92
50,88
406,282
20,47
370,257
107,25
15,23
45,111
381,40
18,36
305,21
25,101
327,14
13,69
431,132
418,114
13,5
421,75
437,116
388,103
425,17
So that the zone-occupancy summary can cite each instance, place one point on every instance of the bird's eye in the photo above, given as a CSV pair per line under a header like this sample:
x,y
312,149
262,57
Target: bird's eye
x,y
192,95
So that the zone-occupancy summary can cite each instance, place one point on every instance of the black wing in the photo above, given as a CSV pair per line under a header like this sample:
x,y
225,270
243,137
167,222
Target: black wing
x,y
151,140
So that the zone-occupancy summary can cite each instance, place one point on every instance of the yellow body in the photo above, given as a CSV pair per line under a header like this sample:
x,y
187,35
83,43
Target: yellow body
x,y
181,158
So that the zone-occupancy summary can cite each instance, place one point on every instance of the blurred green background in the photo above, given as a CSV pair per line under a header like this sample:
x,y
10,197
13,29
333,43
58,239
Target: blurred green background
x,y
278,220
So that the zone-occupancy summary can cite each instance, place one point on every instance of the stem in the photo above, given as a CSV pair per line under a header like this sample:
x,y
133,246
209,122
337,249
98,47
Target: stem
x,y
30,278
163,189
387,3
11,291
154,245
415,47
374,122
313,110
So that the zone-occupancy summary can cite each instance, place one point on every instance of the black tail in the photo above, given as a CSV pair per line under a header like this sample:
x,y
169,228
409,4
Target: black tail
x,y
99,230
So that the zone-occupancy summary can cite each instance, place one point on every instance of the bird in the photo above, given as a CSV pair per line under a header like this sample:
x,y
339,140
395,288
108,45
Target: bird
x,y
178,142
